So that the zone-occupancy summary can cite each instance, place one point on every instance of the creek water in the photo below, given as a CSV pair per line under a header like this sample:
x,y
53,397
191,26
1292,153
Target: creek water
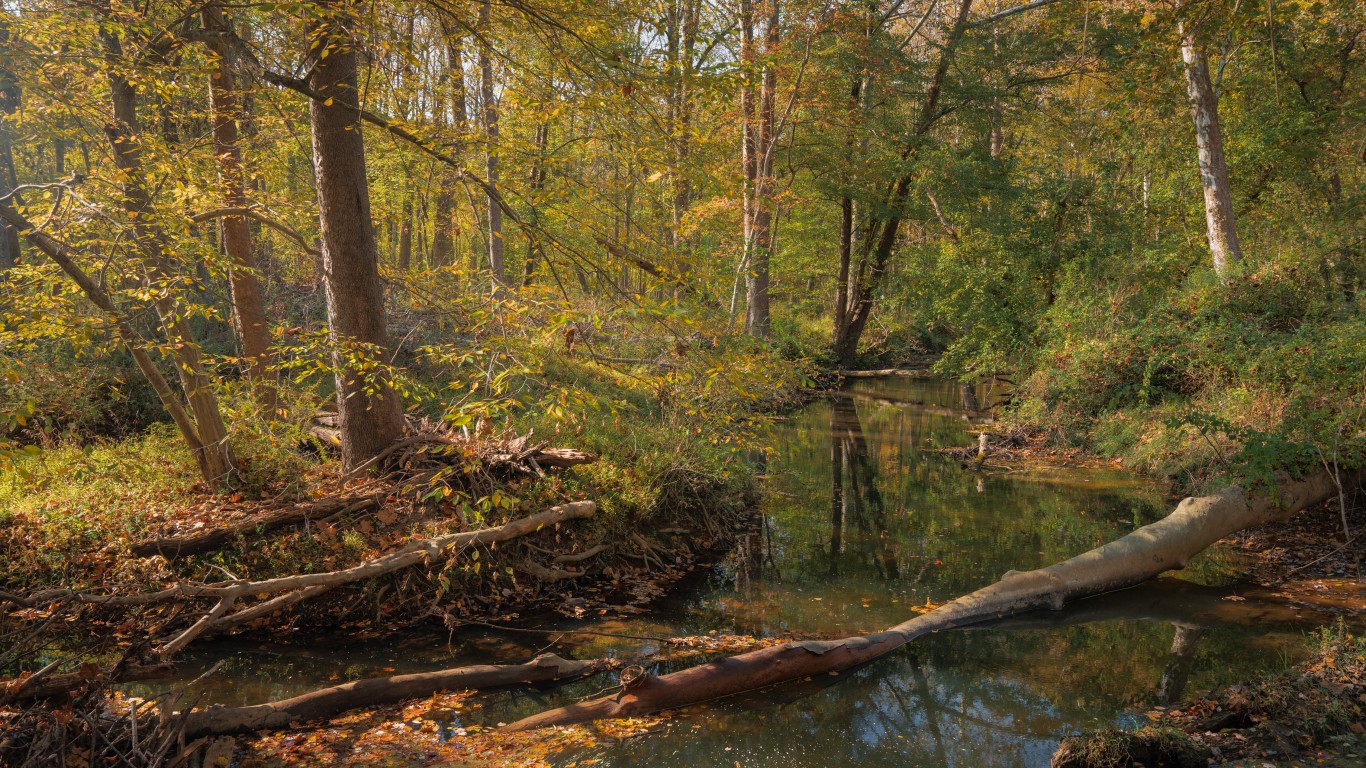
x,y
865,520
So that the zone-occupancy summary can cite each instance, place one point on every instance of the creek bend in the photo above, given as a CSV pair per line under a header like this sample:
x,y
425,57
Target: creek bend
x,y
863,522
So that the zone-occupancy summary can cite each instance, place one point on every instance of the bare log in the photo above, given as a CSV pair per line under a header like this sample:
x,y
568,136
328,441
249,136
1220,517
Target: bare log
x,y
1164,545
327,702
910,373
172,547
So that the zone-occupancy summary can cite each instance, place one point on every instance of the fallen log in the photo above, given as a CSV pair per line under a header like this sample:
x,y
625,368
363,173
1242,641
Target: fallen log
x,y
327,702
173,547
35,687
910,373
1164,545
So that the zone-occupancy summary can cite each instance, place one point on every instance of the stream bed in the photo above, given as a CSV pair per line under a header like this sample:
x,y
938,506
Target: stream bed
x,y
863,522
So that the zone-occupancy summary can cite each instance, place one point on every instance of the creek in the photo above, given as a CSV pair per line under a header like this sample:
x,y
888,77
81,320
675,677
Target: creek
x,y
864,520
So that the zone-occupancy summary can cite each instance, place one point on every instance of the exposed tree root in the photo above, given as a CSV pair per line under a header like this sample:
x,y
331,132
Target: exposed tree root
x,y
1165,545
324,703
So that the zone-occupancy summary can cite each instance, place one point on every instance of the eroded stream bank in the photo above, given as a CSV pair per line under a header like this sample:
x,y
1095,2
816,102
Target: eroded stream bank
x,y
863,522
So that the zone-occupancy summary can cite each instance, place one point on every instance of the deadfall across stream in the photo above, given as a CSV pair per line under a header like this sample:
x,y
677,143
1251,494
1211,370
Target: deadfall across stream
x,y
864,522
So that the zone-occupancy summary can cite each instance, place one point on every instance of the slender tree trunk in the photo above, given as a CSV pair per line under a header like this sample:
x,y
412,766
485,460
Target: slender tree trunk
x,y
536,183
749,144
879,242
490,117
371,416
1219,221
10,96
405,235
248,311
757,319
214,454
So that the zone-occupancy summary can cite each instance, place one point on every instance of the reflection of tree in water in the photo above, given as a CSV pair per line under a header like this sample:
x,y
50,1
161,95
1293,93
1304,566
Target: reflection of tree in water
x,y
855,498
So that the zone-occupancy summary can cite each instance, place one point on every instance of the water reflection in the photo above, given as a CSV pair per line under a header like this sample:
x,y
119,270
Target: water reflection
x,y
864,520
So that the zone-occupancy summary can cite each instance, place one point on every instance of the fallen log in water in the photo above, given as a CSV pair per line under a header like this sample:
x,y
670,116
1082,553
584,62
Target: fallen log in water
x,y
910,373
327,702
1164,545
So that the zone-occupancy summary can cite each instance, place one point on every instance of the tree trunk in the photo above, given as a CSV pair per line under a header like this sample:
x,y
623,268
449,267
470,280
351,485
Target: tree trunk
x,y
378,691
536,184
10,96
405,234
371,416
757,317
1209,140
1165,545
490,118
248,311
213,453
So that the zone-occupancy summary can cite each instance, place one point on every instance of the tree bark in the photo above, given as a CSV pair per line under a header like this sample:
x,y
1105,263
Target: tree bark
x,y
324,703
760,230
371,416
10,96
490,118
1165,545
879,242
248,311
213,452
1220,226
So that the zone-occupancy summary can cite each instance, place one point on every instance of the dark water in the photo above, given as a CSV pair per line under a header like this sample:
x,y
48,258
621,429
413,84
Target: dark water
x,y
863,520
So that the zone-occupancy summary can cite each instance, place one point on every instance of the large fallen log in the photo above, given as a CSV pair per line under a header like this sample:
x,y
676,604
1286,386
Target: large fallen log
x,y
1162,546
172,547
327,702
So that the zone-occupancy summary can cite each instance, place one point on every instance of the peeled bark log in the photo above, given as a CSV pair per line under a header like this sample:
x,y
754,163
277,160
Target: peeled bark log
x,y
1165,545
911,373
327,702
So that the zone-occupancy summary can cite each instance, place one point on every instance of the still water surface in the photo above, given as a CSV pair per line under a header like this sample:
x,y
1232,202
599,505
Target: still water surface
x,y
864,519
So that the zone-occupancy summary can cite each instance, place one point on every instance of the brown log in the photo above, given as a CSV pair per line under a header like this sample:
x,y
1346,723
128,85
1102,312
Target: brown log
x,y
173,547
562,457
1161,546
325,703
56,685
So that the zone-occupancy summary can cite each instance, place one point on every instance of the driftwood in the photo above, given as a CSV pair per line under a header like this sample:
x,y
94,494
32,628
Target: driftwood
x,y
327,702
1165,545
172,547
910,373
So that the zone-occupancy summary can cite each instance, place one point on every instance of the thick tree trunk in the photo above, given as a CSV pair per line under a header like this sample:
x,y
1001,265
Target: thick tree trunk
x,y
325,703
371,416
248,311
490,117
1165,545
1219,221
